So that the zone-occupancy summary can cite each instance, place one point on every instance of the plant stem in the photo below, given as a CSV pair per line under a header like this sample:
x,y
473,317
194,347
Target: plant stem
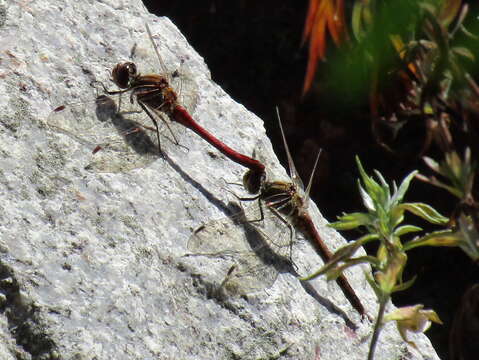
x,y
377,326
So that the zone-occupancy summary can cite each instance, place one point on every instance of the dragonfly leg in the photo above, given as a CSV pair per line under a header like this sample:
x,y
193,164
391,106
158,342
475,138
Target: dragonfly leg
x,y
260,205
156,126
114,92
227,278
110,92
261,213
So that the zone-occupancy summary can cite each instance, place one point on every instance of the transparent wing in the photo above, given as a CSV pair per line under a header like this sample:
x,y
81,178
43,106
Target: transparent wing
x,y
182,82
293,173
256,250
118,143
180,79
162,67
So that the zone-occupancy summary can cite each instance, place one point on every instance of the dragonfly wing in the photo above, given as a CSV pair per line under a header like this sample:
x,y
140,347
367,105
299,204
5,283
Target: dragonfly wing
x,y
292,168
255,255
161,63
109,161
310,182
293,173
250,274
186,89
117,143
179,79
77,121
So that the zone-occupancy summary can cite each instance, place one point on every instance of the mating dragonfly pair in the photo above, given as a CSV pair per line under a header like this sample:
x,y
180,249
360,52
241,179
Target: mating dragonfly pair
x,y
157,99
134,143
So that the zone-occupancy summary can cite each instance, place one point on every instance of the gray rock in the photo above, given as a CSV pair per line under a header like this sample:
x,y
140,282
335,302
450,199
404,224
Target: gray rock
x,y
92,264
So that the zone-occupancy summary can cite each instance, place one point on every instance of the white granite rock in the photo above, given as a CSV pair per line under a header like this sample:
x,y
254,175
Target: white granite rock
x,y
92,264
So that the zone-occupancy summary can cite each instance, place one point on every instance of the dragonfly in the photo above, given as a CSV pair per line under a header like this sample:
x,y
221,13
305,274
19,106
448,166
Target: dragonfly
x,y
156,97
121,138
159,101
291,200
287,203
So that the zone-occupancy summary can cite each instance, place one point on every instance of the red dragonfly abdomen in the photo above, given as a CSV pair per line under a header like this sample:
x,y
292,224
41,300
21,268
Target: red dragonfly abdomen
x,y
182,116
306,224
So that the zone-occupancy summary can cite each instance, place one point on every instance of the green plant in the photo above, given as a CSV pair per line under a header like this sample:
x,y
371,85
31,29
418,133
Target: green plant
x,y
411,60
459,174
383,222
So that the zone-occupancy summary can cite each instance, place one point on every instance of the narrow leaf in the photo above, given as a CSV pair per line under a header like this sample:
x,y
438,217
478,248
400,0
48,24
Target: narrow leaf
x,y
426,212
432,164
437,238
351,221
464,52
367,200
399,195
388,278
449,10
337,271
406,229
470,236
356,20
373,189
405,285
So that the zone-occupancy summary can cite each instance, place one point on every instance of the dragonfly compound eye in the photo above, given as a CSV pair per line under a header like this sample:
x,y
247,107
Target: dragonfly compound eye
x,y
131,68
122,73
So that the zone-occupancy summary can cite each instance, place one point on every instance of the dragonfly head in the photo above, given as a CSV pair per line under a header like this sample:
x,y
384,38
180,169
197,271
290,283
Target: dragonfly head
x,y
253,180
123,73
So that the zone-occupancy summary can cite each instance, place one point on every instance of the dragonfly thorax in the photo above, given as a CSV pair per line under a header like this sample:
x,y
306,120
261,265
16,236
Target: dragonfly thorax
x,y
282,196
154,91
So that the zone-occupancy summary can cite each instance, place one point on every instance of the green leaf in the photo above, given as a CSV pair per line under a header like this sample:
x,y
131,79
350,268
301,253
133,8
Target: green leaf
x,y
425,6
454,191
455,163
405,285
425,211
464,52
470,237
433,164
348,250
351,221
314,275
335,272
468,33
367,200
396,216
399,194
344,254
391,275
436,238
382,180
383,196
371,187
406,229
357,20
448,11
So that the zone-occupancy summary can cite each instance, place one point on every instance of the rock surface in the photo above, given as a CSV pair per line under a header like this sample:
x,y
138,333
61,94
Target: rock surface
x,y
92,264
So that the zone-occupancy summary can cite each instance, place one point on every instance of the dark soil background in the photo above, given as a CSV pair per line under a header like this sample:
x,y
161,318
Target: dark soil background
x,y
253,49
